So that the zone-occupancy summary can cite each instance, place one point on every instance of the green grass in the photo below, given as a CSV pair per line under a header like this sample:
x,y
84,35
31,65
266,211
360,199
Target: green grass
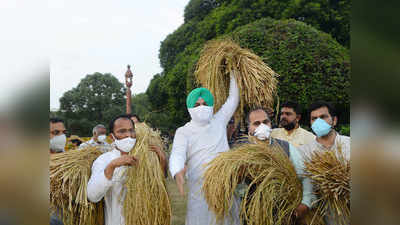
x,y
178,202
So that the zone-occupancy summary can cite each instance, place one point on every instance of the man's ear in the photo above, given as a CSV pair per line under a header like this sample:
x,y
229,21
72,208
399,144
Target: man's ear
x,y
334,121
298,117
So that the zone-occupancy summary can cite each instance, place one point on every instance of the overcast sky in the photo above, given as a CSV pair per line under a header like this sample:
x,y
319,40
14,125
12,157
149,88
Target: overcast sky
x,y
106,35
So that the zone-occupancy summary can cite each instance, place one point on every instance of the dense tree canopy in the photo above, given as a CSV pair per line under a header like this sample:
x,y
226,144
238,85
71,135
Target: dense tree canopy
x,y
97,99
312,65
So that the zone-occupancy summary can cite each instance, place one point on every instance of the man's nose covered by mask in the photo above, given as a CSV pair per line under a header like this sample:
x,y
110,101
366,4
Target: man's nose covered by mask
x,y
125,144
102,138
262,132
321,127
201,114
57,143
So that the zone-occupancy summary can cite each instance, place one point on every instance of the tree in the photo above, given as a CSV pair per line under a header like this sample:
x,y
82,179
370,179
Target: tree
x,y
97,99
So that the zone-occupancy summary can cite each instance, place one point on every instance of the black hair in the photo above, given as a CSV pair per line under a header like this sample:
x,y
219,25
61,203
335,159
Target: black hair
x,y
56,120
134,115
124,116
319,104
77,141
293,105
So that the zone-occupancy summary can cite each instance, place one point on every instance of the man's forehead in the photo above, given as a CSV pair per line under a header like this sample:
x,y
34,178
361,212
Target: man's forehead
x,y
287,109
319,111
258,115
123,123
58,125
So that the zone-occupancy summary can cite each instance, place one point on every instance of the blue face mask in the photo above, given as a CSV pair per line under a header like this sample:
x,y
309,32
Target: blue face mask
x,y
320,127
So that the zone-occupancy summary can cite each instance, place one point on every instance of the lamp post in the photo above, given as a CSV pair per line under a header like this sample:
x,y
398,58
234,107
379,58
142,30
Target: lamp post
x,y
128,82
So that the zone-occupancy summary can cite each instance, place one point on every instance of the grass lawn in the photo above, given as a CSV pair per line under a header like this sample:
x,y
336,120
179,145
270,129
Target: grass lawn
x,y
178,202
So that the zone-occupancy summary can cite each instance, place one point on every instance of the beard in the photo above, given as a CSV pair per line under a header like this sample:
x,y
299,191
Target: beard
x,y
288,125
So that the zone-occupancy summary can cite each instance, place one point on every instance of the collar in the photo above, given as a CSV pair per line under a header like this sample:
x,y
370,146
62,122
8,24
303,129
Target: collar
x,y
321,146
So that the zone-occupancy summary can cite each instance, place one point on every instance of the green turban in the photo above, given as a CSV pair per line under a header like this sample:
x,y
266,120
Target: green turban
x,y
194,95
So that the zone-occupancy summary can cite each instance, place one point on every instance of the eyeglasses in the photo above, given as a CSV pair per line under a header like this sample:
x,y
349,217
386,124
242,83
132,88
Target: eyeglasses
x,y
58,132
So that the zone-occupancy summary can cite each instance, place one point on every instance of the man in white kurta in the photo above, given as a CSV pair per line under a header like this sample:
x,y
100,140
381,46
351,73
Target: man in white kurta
x,y
196,144
323,119
108,177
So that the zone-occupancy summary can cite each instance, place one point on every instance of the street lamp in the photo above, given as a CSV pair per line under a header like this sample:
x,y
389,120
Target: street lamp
x,y
128,82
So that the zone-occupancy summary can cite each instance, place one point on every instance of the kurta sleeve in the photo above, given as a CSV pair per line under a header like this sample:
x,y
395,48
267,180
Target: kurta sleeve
x,y
297,160
178,153
229,107
98,184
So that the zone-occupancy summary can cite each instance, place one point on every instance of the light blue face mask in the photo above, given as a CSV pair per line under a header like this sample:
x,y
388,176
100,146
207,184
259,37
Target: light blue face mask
x,y
321,127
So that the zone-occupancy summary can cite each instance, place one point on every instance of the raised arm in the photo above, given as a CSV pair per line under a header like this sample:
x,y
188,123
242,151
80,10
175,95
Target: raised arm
x,y
178,158
229,107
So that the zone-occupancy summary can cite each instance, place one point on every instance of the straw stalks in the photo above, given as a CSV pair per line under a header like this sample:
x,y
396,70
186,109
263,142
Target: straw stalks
x,y
330,174
276,193
147,201
69,174
256,81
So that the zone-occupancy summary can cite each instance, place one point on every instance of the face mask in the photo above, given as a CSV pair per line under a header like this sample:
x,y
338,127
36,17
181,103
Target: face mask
x,y
262,132
102,138
321,127
125,144
57,143
290,126
201,114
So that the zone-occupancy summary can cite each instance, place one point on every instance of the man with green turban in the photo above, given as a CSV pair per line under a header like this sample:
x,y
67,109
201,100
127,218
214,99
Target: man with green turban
x,y
196,144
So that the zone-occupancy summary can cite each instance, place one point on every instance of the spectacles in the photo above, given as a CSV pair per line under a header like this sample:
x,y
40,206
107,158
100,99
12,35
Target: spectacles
x,y
58,132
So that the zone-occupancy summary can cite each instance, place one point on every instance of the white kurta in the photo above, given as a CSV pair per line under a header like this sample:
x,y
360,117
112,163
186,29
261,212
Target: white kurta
x,y
196,146
342,142
100,187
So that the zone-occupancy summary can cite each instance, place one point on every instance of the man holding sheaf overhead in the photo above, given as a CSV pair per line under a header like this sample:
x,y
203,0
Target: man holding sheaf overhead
x,y
196,144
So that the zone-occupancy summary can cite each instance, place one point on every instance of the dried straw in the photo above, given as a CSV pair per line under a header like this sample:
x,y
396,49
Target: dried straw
x,y
69,175
330,174
256,81
147,201
278,191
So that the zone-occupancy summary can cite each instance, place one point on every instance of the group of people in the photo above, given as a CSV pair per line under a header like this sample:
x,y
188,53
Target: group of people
x,y
198,142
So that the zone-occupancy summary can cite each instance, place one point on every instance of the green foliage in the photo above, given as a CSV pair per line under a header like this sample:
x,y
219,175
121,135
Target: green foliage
x,y
345,130
311,64
97,99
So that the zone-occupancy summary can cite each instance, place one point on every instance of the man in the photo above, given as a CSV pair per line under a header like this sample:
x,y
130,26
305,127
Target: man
x,y
57,144
76,141
323,119
197,143
290,130
57,135
98,139
259,126
108,178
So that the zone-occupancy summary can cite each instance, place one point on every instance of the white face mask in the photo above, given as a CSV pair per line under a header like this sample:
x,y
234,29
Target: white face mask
x,y
102,138
201,114
125,144
57,143
262,132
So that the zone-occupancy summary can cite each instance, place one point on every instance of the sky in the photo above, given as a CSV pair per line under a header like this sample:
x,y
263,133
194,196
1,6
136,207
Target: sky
x,y
105,36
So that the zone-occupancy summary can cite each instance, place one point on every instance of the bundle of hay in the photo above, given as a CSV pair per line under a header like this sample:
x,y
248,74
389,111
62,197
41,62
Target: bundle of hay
x,y
278,191
147,200
330,174
69,174
256,81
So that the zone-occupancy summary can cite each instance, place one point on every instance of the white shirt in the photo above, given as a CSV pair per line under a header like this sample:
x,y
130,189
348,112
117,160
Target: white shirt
x,y
197,145
342,142
104,146
100,187
297,138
